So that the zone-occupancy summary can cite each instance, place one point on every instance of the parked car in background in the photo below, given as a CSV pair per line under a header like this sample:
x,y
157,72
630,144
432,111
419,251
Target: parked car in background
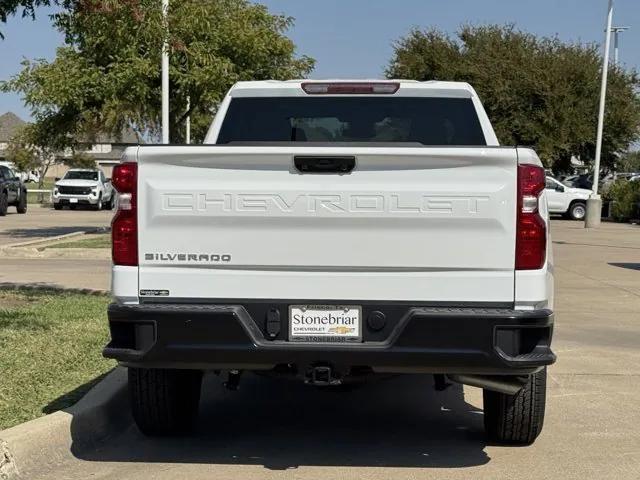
x,y
619,176
81,186
582,181
12,191
567,180
568,201
31,176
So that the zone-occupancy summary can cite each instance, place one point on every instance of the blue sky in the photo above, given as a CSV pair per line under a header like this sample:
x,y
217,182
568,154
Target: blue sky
x,y
353,38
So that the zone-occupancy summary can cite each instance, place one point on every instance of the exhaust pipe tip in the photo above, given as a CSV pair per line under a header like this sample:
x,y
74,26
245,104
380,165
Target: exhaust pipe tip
x,y
509,385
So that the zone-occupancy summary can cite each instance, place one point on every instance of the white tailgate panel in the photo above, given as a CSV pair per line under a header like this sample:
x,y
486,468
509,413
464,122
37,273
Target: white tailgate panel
x,y
417,224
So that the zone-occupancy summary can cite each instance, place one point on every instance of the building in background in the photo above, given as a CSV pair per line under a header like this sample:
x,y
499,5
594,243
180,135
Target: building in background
x,y
10,124
104,149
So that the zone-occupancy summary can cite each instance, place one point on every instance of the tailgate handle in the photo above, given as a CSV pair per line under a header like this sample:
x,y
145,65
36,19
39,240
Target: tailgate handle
x,y
324,164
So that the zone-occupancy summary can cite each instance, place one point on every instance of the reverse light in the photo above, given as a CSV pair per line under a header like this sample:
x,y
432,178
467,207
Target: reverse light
x,y
531,230
350,88
124,226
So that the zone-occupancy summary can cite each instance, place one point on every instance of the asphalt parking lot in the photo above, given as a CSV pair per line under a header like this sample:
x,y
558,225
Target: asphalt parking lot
x,y
400,428
40,223
45,223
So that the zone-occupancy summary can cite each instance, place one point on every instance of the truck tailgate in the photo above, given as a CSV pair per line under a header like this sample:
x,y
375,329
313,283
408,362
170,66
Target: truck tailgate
x,y
406,224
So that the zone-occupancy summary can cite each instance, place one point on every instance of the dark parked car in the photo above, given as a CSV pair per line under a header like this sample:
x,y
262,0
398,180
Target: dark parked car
x,y
584,180
12,191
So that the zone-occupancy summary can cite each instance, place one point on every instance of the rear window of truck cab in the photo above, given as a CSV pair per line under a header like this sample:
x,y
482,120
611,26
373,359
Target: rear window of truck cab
x,y
423,120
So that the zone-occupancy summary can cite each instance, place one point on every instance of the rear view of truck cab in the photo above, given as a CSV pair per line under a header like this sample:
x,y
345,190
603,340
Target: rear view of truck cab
x,y
331,231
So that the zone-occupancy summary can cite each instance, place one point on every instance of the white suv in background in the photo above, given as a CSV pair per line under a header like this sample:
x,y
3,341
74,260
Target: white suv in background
x,y
83,187
568,201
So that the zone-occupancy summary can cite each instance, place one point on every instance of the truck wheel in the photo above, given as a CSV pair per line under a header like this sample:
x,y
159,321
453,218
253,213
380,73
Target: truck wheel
x,y
98,206
577,211
109,205
4,203
163,401
57,206
516,419
22,203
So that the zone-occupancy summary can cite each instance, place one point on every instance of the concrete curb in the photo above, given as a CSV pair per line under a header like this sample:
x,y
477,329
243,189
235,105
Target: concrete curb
x,y
29,448
78,253
43,240
56,238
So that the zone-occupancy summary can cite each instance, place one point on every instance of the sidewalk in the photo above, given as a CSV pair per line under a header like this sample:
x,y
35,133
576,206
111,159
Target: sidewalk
x,y
93,274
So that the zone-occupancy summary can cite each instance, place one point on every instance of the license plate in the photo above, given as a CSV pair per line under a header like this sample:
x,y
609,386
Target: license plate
x,y
73,200
325,323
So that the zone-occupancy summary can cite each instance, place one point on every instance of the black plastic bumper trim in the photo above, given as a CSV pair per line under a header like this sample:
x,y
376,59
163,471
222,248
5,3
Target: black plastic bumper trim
x,y
427,339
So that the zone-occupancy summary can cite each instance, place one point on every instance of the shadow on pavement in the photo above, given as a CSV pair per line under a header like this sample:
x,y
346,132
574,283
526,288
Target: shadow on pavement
x,y
70,398
562,242
630,266
280,424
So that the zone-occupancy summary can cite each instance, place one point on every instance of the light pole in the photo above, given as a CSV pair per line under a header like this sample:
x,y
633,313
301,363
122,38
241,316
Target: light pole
x,y
594,203
616,31
165,72
188,122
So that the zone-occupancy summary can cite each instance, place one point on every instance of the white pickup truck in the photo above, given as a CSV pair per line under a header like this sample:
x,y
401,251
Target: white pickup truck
x,y
83,186
568,201
332,231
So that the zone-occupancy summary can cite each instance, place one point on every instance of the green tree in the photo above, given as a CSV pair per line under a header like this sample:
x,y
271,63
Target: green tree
x,y
28,7
537,91
80,160
21,153
629,162
34,148
625,198
107,76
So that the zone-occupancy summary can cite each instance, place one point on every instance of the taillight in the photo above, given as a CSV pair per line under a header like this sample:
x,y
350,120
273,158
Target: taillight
x,y
124,226
350,88
531,230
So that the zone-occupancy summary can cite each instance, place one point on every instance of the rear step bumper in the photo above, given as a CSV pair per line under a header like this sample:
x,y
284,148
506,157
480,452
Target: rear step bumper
x,y
249,335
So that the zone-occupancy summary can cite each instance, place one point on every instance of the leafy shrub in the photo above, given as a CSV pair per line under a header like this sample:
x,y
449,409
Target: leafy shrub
x,y
625,196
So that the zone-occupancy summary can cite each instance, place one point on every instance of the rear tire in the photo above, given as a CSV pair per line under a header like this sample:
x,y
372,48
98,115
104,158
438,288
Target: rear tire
x,y
164,402
516,419
4,203
22,203
577,211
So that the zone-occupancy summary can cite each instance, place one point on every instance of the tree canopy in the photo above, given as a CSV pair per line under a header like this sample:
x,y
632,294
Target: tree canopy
x,y
21,152
34,148
537,91
629,162
27,7
80,160
107,75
